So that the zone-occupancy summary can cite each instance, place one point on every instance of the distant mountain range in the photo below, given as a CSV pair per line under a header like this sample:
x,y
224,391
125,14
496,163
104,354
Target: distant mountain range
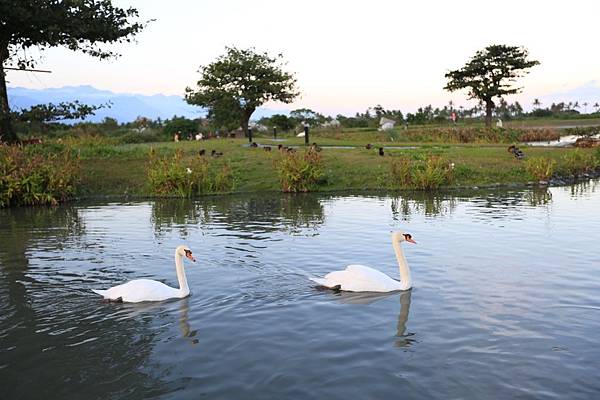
x,y
125,107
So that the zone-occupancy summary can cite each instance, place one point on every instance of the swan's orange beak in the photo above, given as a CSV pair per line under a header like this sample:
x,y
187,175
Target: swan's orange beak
x,y
189,256
410,240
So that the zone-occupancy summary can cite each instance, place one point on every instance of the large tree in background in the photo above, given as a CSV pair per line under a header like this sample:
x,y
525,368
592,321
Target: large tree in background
x,y
242,80
490,73
79,25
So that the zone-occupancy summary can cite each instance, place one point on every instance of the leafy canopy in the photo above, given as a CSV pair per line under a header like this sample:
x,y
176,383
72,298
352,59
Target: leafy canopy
x,y
44,113
491,72
79,25
243,79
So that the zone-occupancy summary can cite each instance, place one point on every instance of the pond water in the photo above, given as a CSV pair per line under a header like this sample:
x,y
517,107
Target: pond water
x,y
505,301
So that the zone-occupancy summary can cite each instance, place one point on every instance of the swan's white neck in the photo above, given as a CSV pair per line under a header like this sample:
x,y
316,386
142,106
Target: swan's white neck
x,y
405,281
183,285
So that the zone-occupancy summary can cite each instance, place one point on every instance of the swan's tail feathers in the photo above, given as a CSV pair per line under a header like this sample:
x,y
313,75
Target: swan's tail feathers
x,y
100,292
320,281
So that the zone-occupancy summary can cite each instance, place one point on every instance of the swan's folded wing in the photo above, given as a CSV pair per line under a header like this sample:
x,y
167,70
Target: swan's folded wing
x,y
364,273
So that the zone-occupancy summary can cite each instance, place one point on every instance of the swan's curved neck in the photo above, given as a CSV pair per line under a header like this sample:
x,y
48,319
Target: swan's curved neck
x,y
405,281
183,285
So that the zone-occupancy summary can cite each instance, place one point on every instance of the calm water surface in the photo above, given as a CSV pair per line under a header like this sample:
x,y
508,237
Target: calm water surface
x,y
505,304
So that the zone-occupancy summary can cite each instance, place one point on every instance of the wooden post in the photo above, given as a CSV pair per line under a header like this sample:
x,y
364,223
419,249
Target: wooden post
x,y
274,132
250,135
306,135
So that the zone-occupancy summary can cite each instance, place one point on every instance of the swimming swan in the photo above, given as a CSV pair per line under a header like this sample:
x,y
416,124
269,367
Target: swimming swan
x,y
140,290
359,278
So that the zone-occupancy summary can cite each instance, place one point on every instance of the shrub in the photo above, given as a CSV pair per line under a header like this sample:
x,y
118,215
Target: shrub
x,y
583,131
135,137
180,177
538,135
576,162
434,173
28,178
223,180
401,172
427,173
299,172
540,168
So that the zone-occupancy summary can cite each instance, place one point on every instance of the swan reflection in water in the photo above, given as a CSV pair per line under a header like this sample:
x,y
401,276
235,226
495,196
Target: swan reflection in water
x,y
162,310
403,338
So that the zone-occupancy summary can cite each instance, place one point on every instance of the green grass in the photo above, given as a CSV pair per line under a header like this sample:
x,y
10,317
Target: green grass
x,y
124,171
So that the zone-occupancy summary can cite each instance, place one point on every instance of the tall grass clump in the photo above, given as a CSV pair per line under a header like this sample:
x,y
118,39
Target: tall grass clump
x,y
538,135
429,173
299,172
578,162
479,135
36,178
178,176
541,168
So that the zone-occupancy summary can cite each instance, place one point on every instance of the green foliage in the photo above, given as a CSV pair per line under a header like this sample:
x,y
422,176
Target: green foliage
x,y
77,25
242,80
145,137
490,73
428,173
39,116
477,135
35,178
584,131
299,172
180,124
282,122
540,168
578,161
177,176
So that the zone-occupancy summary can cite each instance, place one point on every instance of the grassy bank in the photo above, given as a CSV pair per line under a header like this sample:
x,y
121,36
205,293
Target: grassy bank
x,y
124,171
102,167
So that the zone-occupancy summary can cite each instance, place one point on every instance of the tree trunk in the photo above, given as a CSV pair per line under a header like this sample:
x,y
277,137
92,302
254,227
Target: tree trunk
x,y
246,114
489,105
7,134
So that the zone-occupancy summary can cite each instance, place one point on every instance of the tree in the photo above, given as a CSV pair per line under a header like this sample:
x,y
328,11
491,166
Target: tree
x,y
282,122
39,116
537,103
77,25
490,73
244,80
180,124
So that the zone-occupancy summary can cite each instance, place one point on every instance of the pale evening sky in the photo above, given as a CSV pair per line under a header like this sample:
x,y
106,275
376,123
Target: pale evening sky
x,y
348,55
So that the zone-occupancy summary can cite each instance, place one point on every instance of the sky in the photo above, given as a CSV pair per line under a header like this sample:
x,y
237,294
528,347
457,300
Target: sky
x,y
347,55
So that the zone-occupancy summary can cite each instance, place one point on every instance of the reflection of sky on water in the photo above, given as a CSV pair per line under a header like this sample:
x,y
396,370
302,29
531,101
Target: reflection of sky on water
x,y
505,291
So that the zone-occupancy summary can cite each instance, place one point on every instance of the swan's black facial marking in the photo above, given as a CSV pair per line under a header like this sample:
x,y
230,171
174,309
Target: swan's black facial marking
x,y
188,254
408,238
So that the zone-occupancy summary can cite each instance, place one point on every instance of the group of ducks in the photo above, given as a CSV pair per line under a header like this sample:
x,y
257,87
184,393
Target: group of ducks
x,y
355,278
515,151
369,146
286,149
213,153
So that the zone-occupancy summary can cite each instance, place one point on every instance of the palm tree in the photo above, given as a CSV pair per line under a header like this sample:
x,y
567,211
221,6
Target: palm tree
x,y
597,106
585,104
537,103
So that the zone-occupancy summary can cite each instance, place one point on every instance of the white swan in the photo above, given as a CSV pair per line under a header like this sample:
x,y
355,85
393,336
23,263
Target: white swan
x,y
359,278
140,290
